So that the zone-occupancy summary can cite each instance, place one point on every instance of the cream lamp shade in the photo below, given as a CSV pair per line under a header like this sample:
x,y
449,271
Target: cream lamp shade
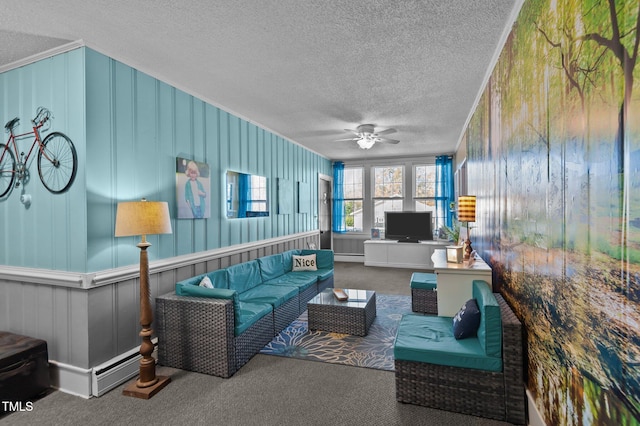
x,y
467,208
142,218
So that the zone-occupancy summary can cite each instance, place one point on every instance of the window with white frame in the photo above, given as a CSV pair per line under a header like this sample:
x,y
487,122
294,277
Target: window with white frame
x,y
353,198
258,201
388,192
424,188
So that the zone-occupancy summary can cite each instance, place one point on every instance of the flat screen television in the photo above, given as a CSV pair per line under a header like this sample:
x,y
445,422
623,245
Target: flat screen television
x,y
410,227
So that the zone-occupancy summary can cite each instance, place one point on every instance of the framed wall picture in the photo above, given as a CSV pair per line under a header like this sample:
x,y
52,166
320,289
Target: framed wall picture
x,y
285,196
193,189
304,197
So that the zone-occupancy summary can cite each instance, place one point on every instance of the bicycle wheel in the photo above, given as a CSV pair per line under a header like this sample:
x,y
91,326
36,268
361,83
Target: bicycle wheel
x,y
57,162
7,169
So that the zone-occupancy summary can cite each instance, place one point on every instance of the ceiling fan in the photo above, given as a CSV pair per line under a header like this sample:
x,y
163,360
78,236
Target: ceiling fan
x,y
366,136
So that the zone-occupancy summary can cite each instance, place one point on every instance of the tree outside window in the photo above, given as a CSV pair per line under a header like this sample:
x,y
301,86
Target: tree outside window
x,y
353,197
388,192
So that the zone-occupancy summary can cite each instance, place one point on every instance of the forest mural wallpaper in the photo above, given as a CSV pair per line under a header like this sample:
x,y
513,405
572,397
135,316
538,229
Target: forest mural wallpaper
x,y
554,159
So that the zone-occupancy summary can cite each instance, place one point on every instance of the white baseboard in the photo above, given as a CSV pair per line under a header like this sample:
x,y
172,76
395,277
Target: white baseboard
x,y
535,418
70,379
98,380
355,258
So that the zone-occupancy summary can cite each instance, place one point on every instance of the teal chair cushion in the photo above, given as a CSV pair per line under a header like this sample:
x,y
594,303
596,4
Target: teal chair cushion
x,y
244,276
324,258
271,267
422,338
490,328
275,295
294,279
248,314
423,280
287,259
218,279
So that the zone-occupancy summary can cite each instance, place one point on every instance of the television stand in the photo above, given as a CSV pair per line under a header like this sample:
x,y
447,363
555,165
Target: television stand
x,y
392,254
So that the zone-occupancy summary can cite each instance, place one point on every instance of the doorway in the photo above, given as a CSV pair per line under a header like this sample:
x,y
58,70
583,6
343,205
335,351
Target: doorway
x,y
325,209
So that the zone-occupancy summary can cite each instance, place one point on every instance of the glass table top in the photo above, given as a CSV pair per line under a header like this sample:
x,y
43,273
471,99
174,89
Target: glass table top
x,y
357,298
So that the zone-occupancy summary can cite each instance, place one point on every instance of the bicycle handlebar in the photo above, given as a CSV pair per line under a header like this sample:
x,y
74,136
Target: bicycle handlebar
x,y
42,116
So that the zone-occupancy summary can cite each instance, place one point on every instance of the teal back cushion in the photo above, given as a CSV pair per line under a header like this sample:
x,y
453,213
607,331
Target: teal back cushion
x,y
287,259
244,276
324,258
218,279
271,267
490,329
197,291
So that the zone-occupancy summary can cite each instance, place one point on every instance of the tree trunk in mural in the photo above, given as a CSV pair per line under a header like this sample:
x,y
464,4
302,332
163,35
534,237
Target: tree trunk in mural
x,y
566,249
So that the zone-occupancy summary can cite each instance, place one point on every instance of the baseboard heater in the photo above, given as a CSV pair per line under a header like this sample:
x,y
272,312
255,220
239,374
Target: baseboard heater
x,y
116,371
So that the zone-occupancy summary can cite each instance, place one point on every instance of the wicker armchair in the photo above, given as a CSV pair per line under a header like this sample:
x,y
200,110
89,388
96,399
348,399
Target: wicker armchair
x,y
495,395
197,334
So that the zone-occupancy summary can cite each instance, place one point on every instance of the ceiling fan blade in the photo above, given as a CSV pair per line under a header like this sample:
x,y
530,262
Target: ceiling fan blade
x,y
355,132
346,140
391,141
385,132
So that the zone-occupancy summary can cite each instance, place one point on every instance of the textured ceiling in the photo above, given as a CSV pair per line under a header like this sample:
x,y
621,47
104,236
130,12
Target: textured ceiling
x,y
303,69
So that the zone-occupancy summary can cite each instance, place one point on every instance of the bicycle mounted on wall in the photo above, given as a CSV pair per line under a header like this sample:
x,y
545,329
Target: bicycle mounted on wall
x,y
57,158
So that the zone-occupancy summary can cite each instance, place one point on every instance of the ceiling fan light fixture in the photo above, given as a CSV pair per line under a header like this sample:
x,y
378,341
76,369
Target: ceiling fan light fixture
x,y
366,142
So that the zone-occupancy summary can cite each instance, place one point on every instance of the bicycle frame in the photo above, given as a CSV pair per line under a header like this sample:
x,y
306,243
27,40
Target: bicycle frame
x,y
37,140
57,158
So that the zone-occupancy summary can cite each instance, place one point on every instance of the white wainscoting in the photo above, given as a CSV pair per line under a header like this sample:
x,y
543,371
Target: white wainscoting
x,y
91,320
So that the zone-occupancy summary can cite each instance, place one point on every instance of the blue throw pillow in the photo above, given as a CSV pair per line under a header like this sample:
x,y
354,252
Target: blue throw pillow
x,y
467,320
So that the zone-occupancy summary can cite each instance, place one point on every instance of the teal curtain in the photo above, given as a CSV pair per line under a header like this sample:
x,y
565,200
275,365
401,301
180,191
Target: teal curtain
x,y
244,194
339,224
444,190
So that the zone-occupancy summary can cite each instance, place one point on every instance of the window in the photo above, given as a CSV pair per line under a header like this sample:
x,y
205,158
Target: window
x,y
353,197
258,201
388,193
424,188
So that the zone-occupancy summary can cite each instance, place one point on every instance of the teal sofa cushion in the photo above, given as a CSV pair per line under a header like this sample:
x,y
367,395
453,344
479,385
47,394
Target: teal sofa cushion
x,y
490,329
218,279
275,295
423,280
287,259
324,258
430,339
197,291
248,314
324,274
244,276
271,266
295,279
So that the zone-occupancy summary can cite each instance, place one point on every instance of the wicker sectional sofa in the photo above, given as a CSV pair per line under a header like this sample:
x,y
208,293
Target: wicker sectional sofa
x,y
482,375
217,330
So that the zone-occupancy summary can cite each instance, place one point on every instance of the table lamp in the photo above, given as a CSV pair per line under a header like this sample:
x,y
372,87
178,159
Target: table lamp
x,y
144,218
467,213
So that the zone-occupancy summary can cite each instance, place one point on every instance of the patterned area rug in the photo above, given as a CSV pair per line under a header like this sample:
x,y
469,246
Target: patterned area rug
x,y
375,350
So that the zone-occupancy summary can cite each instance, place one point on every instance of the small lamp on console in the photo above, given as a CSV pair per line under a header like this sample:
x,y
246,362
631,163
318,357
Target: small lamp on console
x,y
467,213
144,218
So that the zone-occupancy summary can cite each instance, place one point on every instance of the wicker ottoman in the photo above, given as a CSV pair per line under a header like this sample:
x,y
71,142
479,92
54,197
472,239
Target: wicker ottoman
x,y
424,296
353,316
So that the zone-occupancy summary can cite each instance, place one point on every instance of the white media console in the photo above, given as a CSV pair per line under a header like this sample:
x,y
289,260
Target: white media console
x,y
392,254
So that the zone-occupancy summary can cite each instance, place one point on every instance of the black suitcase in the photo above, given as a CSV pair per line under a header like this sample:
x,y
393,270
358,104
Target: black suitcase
x,y
24,369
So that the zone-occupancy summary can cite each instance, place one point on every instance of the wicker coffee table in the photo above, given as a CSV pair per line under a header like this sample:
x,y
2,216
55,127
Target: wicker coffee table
x,y
353,316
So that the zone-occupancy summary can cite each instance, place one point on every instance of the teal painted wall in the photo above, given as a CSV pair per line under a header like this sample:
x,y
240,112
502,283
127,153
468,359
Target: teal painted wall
x,y
135,127
50,234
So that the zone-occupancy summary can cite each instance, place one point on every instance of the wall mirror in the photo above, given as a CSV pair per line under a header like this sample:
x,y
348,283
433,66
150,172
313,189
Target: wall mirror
x,y
246,195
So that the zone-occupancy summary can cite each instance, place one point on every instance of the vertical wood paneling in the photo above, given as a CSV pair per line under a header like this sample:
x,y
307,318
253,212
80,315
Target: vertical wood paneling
x,y
59,230
128,128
